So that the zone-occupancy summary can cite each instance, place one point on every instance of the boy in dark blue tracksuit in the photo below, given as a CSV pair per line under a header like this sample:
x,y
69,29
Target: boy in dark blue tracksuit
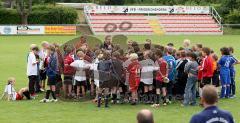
x,y
211,113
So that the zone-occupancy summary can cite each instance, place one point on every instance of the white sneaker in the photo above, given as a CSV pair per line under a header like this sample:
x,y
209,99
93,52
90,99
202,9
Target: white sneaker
x,y
233,96
168,101
44,101
155,105
42,90
53,100
34,97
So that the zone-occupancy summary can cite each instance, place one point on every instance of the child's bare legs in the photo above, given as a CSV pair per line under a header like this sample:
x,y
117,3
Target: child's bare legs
x,y
53,89
223,91
92,88
69,90
146,94
120,89
228,90
121,94
106,96
151,93
83,91
48,92
24,92
43,84
78,91
134,97
65,90
99,98
97,90
114,94
164,93
20,92
158,95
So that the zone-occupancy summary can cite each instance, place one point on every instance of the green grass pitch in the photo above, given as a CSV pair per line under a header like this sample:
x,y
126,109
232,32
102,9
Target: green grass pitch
x,y
13,55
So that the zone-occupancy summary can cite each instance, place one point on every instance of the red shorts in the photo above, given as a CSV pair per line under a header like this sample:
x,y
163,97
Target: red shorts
x,y
133,86
19,97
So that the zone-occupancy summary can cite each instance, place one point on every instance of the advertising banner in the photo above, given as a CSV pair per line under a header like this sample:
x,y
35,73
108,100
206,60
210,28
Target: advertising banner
x,y
8,30
60,30
30,30
148,9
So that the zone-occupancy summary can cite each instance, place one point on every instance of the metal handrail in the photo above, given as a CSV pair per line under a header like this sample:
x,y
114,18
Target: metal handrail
x,y
88,21
217,17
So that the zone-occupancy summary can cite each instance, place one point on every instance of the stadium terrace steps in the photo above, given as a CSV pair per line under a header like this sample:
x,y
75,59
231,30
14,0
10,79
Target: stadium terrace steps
x,y
190,24
155,25
120,24
139,24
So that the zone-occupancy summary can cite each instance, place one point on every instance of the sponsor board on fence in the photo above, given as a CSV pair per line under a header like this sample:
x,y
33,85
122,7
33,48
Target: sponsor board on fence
x,y
8,30
37,30
148,9
30,30
67,30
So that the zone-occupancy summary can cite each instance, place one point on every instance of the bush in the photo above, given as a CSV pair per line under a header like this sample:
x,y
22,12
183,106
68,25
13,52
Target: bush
x,y
233,17
52,15
9,16
41,14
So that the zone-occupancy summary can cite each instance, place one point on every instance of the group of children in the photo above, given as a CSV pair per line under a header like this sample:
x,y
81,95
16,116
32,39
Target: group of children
x,y
147,73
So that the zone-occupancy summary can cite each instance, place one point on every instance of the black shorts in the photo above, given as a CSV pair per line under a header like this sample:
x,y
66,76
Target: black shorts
x,y
160,84
81,83
154,82
123,86
147,84
68,79
206,80
43,75
215,79
52,80
59,78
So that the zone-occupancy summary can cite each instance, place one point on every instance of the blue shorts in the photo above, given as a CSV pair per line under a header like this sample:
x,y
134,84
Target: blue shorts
x,y
225,78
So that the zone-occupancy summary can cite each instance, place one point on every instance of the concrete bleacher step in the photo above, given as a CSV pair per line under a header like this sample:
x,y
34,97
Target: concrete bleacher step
x,y
156,24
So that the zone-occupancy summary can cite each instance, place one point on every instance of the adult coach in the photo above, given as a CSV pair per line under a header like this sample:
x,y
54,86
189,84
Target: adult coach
x,y
211,113
145,116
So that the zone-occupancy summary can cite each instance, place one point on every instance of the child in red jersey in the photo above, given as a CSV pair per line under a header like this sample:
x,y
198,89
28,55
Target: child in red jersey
x,y
162,73
134,77
68,72
205,72
207,66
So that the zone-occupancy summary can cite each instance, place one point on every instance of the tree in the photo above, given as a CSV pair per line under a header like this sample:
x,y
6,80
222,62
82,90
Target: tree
x,y
8,3
114,2
50,1
24,8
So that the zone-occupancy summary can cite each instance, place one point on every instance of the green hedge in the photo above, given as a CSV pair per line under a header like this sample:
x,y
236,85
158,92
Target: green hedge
x,y
41,15
9,16
233,17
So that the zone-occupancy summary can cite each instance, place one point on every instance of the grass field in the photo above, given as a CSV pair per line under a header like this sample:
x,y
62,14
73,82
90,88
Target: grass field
x,y
13,55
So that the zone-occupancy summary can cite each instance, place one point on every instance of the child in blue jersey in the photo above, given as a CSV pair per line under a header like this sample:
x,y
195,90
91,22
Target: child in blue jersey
x,y
232,74
225,63
171,70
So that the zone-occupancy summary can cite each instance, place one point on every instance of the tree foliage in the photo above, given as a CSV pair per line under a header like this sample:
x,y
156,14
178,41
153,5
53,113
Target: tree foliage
x,y
24,8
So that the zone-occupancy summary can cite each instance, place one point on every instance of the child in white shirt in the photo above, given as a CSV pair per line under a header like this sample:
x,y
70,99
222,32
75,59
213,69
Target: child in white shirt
x,y
32,69
11,94
80,76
